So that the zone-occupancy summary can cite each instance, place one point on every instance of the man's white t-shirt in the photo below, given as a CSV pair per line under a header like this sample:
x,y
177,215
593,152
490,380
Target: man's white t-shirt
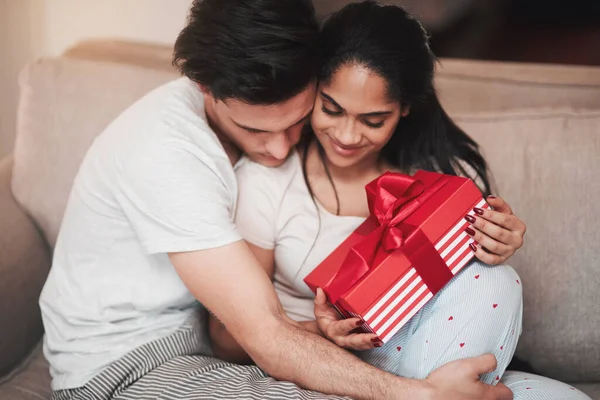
x,y
156,181
276,211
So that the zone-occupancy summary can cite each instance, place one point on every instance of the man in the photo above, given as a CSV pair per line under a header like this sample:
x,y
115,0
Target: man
x,y
148,230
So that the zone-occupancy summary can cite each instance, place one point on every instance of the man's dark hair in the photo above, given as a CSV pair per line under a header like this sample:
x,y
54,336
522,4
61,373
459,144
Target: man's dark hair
x,y
255,51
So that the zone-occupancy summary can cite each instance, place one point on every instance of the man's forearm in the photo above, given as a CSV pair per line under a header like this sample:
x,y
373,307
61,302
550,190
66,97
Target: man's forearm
x,y
224,345
287,351
226,348
311,326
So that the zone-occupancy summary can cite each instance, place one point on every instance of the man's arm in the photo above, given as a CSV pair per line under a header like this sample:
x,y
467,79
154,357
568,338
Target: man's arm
x,y
224,345
230,282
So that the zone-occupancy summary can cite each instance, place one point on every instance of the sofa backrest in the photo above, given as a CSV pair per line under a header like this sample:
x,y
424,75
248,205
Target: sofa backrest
x,y
545,163
539,127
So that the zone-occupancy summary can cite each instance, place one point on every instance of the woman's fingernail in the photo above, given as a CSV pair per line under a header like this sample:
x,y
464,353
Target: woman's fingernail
x,y
470,219
470,232
473,246
491,196
478,211
360,323
377,345
375,340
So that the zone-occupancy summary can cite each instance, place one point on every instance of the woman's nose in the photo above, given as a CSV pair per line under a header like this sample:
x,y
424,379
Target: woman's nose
x,y
348,133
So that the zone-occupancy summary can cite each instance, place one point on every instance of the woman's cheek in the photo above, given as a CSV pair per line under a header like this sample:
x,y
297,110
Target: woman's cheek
x,y
318,121
379,137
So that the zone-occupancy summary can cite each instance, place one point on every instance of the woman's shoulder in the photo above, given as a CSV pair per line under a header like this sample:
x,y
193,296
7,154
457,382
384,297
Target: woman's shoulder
x,y
467,171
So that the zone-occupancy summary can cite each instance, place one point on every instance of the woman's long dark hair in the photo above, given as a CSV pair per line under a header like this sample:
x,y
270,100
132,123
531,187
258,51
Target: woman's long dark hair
x,y
390,42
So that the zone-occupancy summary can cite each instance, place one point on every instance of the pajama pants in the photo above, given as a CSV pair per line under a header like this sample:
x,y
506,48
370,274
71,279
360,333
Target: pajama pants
x,y
478,312
450,327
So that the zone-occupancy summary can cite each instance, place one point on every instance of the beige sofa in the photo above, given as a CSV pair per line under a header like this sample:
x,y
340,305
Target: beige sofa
x,y
539,127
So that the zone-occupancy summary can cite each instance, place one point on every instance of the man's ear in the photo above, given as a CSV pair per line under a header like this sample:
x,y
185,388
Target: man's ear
x,y
208,97
205,91
405,110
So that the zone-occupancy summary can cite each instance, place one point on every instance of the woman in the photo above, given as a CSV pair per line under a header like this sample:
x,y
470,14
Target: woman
x,y
377,110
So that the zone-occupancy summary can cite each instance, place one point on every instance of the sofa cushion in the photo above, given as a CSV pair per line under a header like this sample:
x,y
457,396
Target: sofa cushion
x,y
467,86
591,389
64,105
146,55
24,265
31,381
546,164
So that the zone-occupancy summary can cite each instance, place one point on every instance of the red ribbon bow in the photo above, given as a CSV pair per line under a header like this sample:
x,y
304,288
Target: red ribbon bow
x,y
392,198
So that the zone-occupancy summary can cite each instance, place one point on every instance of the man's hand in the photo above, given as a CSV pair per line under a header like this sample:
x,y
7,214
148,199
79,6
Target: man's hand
x,y
459,380
340,330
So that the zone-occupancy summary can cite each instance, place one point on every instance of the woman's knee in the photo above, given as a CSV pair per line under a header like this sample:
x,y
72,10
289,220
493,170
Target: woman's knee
x,y
488,297
483,283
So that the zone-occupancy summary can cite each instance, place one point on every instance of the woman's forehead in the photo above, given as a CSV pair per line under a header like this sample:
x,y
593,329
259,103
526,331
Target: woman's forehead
x,y
358,87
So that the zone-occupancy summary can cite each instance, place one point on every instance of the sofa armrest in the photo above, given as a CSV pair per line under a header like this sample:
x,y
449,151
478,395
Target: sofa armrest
x,y
24,264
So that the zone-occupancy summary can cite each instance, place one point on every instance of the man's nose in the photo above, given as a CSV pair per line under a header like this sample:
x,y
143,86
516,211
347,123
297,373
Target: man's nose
x,y
279,146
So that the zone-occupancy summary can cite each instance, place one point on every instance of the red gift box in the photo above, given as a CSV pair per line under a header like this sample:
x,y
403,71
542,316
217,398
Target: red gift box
x,y
412,245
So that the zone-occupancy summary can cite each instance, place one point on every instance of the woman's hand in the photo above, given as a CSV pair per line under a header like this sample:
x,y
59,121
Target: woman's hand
x,y
340,331
498,232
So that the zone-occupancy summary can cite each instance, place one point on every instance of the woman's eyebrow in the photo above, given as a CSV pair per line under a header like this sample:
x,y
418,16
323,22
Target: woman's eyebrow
x,y
369,114
331,100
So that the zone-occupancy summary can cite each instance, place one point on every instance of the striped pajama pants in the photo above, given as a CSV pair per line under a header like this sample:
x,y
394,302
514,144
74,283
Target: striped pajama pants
x,y
450,327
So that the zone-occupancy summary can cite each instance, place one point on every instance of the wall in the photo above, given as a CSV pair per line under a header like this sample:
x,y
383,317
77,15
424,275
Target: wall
x,y
20,35
30,29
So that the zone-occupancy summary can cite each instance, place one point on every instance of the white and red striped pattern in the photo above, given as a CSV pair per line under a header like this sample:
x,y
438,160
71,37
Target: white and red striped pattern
x,y
409,294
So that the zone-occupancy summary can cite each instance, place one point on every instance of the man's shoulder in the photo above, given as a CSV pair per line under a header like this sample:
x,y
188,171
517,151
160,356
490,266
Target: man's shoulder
x,y
177,103
167,122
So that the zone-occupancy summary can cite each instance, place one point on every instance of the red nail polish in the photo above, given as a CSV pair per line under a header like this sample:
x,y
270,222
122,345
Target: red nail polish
x,y
375,340
478,211
360,323
491,197
470,232
470,219
473,247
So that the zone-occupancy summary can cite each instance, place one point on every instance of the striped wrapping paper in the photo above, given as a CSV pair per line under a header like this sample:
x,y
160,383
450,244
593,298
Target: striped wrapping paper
x,y
409,294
